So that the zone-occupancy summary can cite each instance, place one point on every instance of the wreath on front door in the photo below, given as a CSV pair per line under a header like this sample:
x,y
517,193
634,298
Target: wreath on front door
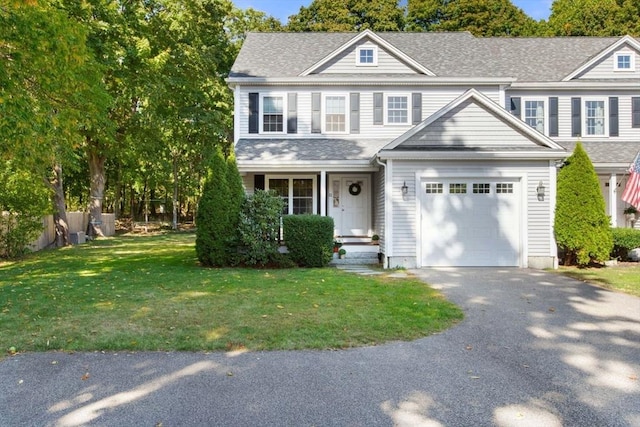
x,y
355,189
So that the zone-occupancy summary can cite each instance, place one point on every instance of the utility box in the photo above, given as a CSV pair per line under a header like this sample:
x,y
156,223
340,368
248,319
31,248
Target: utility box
x,y
77,238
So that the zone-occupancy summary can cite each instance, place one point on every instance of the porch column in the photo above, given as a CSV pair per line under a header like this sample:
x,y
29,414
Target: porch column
x,y
613,199
323,193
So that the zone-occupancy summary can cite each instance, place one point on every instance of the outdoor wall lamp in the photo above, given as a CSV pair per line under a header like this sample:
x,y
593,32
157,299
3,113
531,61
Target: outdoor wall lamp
x,y
405,189
540,190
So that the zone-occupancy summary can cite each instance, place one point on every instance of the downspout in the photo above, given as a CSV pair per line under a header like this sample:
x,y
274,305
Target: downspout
x,y
387,227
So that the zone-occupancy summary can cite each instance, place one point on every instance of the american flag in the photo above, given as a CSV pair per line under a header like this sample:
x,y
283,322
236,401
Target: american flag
x,y
631,193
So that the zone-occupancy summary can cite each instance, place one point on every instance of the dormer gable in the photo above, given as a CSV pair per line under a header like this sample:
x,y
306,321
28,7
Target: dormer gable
x,y
367,53
621,60
472,121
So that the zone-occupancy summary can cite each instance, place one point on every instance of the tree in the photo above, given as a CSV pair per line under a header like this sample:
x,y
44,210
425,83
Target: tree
x,y
484,18
348,15
23,202
49,89
594,18
213,233
581,225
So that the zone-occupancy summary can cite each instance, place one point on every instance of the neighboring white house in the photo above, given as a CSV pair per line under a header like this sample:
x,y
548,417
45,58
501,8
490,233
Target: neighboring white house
x,y
443,144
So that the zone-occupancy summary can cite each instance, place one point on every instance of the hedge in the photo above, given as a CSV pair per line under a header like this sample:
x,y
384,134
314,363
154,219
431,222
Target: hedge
x,y
309,239
624,240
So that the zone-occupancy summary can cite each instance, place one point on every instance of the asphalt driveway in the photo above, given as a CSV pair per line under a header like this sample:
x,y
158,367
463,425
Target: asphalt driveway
x,y
535,349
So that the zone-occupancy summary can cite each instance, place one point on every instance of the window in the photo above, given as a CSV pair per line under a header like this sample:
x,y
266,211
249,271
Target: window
x,y
302,196
367,56
624,61
504,188
534,114
335,114
297,193
397,109
458,188
433,188
273,114
594,117
481,188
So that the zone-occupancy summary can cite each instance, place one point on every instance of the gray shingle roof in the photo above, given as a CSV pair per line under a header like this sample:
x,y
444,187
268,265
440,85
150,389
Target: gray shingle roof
x,y
446,54
312,149
621,153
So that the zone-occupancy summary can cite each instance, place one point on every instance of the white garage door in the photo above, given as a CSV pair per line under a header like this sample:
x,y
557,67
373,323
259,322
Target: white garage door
x,y
470,222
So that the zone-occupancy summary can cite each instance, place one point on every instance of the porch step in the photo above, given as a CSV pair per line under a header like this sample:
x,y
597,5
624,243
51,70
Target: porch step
x,y
355,258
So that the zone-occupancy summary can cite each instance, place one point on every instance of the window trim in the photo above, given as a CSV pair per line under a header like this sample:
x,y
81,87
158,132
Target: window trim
x,y
385,107
632,62
605,132
545,113
347,110
290,178
284,112
374,49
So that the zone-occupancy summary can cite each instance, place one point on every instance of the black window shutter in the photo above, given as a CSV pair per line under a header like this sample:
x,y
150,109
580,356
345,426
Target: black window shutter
x,y
553,116
254,112
576,121
515,106
635,112
354,106
292,113
416,108
258,182
613,116
377,108
316,117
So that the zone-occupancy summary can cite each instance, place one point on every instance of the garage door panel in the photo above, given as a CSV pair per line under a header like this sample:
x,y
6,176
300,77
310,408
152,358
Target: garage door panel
x,y
471,229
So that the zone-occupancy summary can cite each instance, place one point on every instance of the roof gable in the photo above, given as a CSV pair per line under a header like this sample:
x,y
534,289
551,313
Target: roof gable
x,y
397,60
472,121
627,43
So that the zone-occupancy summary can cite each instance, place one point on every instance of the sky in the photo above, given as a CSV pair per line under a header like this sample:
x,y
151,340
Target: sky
x,y
282,9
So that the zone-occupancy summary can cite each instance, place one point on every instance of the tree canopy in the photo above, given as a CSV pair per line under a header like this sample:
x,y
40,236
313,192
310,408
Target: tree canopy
x,y
480,17
348,15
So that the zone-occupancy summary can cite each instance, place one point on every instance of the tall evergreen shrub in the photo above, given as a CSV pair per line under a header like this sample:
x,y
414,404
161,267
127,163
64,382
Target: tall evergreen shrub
x,y
236,198
214,233
582,227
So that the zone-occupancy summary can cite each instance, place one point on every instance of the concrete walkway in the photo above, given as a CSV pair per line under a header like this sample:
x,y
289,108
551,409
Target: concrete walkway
x,y
535,349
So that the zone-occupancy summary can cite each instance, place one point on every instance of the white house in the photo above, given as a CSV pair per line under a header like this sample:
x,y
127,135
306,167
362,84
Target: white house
x,y
443,144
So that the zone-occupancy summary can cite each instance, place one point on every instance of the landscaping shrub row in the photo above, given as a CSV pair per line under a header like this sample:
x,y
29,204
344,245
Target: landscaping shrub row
x,y
624,240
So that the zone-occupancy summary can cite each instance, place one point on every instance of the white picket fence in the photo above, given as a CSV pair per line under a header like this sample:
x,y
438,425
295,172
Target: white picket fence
x,y
78,222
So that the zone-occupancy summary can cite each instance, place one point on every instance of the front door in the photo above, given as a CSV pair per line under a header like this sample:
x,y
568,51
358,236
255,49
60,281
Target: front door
x,y
351,205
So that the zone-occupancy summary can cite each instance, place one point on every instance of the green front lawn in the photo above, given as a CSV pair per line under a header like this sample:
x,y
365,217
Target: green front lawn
x,y
625,277
148,293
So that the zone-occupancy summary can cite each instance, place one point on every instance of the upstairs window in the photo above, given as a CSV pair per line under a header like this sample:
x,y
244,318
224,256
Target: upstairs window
x,y
624,61
335,114
594,117
367,56
534,114
273,114
397,111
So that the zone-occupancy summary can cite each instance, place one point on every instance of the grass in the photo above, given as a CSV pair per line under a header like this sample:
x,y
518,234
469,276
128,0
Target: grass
x,y
148,293
625,277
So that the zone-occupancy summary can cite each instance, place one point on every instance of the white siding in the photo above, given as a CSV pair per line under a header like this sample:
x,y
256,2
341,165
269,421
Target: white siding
x,y
604,69
469,125
346,62
626,132
378,207
406,227
433,99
